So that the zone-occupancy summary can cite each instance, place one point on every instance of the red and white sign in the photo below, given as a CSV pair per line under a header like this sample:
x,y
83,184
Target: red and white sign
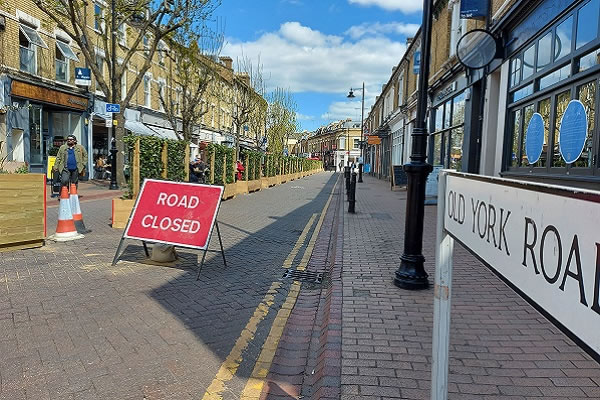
x,y
181,214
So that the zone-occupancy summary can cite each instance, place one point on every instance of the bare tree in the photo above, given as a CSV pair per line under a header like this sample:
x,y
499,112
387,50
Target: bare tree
x,y
281,119
194,68
145,22
246,100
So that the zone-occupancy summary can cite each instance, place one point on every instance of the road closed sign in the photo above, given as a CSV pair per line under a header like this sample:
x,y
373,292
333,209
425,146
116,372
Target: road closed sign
x,y
181,214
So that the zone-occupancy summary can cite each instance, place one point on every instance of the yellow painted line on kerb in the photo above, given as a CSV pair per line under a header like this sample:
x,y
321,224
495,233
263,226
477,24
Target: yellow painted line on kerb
x,y
256,382
290,258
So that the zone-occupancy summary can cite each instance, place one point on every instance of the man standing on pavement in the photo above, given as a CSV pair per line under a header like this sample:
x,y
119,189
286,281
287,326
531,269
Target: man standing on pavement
x,y
70,161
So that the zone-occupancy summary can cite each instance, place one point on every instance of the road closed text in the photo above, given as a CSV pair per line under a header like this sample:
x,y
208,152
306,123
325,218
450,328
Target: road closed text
x,y
167,223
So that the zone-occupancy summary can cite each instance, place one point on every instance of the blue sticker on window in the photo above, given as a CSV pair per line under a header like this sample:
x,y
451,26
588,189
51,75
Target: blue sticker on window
x,y
573,132
534,141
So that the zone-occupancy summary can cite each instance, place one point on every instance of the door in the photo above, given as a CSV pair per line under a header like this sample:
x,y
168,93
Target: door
x,y
36,148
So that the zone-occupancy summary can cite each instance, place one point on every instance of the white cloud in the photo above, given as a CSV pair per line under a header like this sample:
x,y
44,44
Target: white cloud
x,y
376,29
339,110
317,62
302,117
405,6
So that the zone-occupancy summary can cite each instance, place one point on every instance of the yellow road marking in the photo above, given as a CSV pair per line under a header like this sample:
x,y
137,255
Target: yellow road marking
x,y
290,258
256,382
234,359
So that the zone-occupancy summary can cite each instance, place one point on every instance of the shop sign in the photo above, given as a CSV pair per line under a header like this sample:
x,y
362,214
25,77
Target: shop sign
x,y
83,76
473,8
374,140
28,91
181,214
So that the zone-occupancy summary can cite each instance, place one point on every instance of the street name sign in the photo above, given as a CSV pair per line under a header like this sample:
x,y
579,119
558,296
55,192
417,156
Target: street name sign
x,y
176,213
113,108
541,239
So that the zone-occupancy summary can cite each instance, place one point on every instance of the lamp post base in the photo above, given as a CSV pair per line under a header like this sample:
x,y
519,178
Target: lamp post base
x,y
411,275
360,172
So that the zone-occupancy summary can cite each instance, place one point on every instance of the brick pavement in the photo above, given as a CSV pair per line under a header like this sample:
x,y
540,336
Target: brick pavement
x,y
501,347
73,327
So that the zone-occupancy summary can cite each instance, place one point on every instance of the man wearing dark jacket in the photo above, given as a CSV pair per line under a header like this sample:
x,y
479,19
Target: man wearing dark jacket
x,y
71,161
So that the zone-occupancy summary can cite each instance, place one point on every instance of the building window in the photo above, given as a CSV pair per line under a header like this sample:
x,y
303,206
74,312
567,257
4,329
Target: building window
x,y
100,65
147,91
122,34
559,65
124,85
356,143
448,133
162,50
64,53
29,41
401,89
98,18
146,43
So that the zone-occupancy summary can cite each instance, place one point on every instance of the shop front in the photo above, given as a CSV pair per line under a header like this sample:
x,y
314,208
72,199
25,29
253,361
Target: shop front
x,y
448,125
39,119
548,75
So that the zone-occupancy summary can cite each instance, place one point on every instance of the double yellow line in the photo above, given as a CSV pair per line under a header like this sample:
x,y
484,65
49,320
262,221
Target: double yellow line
x,y
228,369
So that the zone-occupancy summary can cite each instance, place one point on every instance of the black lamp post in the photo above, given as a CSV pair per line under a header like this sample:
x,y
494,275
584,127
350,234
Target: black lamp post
x,y
362,116
411,274
113,164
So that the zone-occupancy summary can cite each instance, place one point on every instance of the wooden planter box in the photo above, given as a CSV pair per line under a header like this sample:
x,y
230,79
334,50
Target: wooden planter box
x,y
22,211
255,185
264,183
121,209
273,180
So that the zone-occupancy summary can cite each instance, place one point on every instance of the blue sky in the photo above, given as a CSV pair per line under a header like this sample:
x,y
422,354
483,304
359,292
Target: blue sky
x,y
318,49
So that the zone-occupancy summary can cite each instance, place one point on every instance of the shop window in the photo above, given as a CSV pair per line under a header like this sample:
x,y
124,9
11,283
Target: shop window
x,y
516,134
515,75
562,101
437,149
544,55
522,93
544,110
528,113
563,38
439,118
587,94
447,114
555,76
456,143
587,23
589,60
528,62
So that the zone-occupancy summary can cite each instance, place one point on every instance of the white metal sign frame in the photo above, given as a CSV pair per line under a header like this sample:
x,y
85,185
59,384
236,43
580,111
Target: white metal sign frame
x,y
543,240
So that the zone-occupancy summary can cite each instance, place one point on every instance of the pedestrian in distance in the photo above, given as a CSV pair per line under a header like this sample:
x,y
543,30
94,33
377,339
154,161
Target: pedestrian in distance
x,y
239,168
71,161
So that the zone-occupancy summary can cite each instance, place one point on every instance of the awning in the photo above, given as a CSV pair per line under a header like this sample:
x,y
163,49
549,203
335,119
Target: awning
x,y
138,128
164,132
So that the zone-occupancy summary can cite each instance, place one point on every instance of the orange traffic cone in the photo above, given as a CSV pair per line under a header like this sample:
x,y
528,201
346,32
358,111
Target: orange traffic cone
x,y
76,210
65,230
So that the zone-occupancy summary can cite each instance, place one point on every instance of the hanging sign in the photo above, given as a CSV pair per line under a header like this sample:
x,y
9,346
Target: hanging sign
x,y
176,213
573,131
473,9
534,140
83,76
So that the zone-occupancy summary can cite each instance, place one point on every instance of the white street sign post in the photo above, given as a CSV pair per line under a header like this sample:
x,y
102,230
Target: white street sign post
x,y
543,240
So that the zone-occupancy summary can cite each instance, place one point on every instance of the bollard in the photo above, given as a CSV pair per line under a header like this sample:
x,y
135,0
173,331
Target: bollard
x,y
352,196
360,167
347,177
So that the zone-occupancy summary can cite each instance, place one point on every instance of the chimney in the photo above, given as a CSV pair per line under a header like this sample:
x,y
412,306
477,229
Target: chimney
x,y
409,41
244,77
227,61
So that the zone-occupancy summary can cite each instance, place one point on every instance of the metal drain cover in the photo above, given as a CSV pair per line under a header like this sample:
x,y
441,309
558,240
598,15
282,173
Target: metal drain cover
x,y
304,276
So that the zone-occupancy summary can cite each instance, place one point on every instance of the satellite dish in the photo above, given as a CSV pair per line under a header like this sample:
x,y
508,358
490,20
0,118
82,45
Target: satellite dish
x,y
476,49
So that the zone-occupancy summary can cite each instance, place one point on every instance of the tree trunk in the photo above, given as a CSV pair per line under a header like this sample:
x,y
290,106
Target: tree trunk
x,y
238,134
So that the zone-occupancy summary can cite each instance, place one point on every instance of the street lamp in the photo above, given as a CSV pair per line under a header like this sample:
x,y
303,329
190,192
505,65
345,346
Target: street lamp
x,y
362,116
411,274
